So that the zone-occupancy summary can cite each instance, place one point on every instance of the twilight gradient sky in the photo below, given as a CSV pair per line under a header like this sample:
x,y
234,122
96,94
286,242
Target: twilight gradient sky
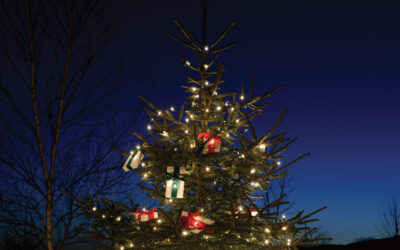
x,y
339,62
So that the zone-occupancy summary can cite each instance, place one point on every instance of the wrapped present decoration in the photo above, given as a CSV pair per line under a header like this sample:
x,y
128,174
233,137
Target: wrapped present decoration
x,y
195,222
213,143
134,159
175,183
146,215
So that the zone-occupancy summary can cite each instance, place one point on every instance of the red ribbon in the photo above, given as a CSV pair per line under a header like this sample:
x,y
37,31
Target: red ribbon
x,y
150,214
214,140
190,222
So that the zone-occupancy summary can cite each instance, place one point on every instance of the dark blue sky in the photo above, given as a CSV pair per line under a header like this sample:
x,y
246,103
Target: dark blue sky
x,y
339,62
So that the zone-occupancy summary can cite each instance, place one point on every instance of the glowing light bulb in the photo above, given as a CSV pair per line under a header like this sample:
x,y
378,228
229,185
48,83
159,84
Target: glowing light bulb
x,y
118,218
240,208
145,175
122,248
206,83
252,171
237,120
165,133
187,63
202,210
254,213
262,146
103,216
192,145
266,241
242,156
172,109
94,209
206,66
267,230
218,108
283,216
159,113
289,241
138,146
131,245
284,228
148,127
215,93
187,120
242,97
206,236
227,135
194,89
206,48
207,110
232,109
278,163
185,233
196,96
154,228
207,169
191,116
159,221
143,164
186,131
170,200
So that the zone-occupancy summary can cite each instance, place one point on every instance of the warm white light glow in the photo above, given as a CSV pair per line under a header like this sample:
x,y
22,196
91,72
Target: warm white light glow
x,y
206,66
143,164
242,97
194,89
122,248
94,209
131,245
283,216
218,108
192,145
202,210
159,113
154,228
159,221
289,241
187,120
148,127
240,208
186,131
266,241
279,163
262,146
131,152
170,200
103,216
145,175
196,96
185,233
207,169
118,218
206,48
187,63
252,171
172,108
254,213
191,116
242,156
232,109
207,110
138,146
267,230
284,228
227,135
215,93
206,83
165,133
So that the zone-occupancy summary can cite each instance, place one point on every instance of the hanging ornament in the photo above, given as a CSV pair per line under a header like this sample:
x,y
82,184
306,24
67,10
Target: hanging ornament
x,y
195,223
213,143
133,160
175,183
143,216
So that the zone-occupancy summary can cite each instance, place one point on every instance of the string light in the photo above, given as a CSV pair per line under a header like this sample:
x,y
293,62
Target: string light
x,y
143,164
194,89
186,131
289,241
240,208
252,171
118,218
242,97
215,93
196,96
254,213
138,146
262,146
266,241
187,63
187,120
237,120
172,109
131,245
207,169
207,110
145,175
206,66
154,228
159,221
191,116
206,236
202,210
206,83
232,109
279,163
283,216
284,228
192,145
242,156
170,200
185,233
148,127
267,230
206,48
227,135
165,133
218,108
103,216
94,209
122,248
159,113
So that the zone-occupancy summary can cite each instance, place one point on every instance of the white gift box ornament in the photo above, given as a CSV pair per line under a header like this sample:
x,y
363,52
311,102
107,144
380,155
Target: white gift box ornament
x,y
133,160
175,183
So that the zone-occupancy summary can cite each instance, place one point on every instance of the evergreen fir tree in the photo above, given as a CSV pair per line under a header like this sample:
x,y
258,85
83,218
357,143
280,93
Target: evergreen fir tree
x,y
208,149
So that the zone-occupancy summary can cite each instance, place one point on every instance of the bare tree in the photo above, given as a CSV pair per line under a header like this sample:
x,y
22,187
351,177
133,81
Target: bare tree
x,y
389,216
58,125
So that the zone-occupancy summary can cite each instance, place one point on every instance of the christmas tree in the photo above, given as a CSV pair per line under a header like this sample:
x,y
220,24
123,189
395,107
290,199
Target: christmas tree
x,y
206,167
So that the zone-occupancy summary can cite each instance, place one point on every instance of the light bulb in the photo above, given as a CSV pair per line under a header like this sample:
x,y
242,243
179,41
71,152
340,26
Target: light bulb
x,y
232,109
159,221
170,200
172,108
206,48
202,210
185,233
194,89
187,63
289,241
206,66
227,135
138,146
122,248
215,93
206,236
94,209
192,145
283,216
145,175
242,156
196,96
254,213
191,116
186,131
148,127
242,97
218,108
131,245
284,228
237,120
252,171
226,104
159,113
240,208
103,216
165,133
131,152
154,228
278,163
187,119
143,164
207,110
262,146
118,218
266,241
207,169
267,230
206,83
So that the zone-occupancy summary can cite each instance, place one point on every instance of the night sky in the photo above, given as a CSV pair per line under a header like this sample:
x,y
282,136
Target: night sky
x,y
339,62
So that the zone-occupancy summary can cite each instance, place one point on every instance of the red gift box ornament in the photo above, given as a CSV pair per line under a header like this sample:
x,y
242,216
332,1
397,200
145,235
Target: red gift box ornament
x,y
196,223
213,143
146,215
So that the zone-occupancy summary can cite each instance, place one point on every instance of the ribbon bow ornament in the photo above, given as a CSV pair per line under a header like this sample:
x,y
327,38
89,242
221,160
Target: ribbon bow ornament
x,y
195,222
